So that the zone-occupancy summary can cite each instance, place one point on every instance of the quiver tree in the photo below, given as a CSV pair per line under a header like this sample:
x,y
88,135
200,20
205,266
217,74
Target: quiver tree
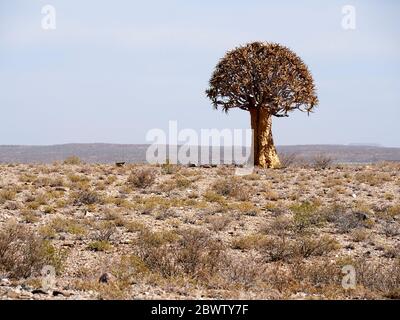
x,y
267,80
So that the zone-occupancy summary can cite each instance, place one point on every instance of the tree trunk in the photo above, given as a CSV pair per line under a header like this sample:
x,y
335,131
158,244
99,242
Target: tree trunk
x,y
263,147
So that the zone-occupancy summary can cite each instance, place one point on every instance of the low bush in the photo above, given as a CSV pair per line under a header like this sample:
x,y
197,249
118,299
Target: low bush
x,y
72,160
306,214
99,245
87,197
321,161
7,195
190,252
23,253
142,178
232,187
288,159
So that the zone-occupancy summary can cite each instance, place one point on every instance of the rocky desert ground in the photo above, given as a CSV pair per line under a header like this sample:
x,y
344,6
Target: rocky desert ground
x,y
176,232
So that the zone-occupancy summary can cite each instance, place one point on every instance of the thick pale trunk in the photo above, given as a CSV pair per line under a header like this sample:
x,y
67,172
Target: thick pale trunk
x,y
264,151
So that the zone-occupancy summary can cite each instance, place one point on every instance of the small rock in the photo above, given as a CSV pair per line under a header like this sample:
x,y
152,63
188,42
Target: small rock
x,y
39,291
5,282
88,214
120,164
106,278
361,216
26,287
61,293
69,244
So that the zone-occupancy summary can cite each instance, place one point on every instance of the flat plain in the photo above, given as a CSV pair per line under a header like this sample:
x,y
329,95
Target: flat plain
x,y
175,232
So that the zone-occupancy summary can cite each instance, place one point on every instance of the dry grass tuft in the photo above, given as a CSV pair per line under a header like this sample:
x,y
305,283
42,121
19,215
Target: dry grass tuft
x,y
142,178
23,253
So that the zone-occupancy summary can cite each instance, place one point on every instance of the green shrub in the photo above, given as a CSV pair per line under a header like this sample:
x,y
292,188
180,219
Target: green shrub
x,y
99,245
305,215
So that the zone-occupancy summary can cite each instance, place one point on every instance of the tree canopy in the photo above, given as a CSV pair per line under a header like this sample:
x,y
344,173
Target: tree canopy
x,y
266,75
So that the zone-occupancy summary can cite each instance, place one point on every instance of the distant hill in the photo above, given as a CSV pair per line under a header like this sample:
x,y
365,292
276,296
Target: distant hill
x,y
345,153
362,144
136,153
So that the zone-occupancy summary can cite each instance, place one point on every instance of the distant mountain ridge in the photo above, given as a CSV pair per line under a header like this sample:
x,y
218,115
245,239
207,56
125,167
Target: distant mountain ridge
x,y
136,153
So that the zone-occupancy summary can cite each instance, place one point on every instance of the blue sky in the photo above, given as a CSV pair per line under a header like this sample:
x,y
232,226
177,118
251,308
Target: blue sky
x,y
112,70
